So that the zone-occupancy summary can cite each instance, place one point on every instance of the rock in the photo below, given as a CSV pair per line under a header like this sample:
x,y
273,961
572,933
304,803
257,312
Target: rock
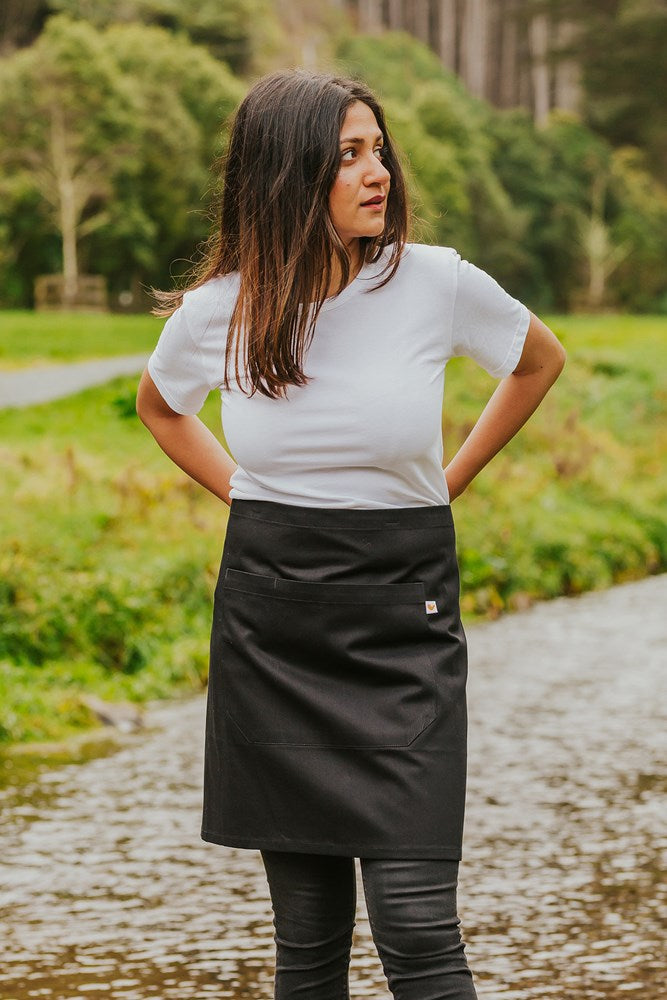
x,y
122,715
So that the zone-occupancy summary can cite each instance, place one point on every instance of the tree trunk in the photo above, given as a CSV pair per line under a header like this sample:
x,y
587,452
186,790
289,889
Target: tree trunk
x,y
539,47
67,209
601,255
567,73
447,33
494,52
18,23
396,15
422,15
509,54
370,16
524,81
473,47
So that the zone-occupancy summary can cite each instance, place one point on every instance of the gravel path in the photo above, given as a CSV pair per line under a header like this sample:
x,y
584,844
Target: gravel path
x,y
42,383
107,891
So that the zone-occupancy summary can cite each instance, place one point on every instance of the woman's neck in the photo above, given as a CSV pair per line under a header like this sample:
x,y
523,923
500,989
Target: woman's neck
x,y
336,274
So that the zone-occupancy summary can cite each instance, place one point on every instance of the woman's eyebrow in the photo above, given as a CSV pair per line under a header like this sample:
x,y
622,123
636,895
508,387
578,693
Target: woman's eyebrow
x,y
357,140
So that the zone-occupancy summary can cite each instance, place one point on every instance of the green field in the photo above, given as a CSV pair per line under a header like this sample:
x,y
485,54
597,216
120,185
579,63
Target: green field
x,y
38,338
110,554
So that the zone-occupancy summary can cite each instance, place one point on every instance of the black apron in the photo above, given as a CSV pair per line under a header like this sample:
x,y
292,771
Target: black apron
x,y
336,713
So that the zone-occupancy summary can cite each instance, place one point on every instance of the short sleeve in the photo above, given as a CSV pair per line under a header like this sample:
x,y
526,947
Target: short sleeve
x,y
488,325
177,367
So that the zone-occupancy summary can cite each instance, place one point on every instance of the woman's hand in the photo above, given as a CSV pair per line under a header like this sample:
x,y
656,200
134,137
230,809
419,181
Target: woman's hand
x,y
510,406
186,440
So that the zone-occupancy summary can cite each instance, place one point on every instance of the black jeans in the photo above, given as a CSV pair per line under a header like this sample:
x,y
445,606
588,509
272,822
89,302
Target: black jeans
x,y
411,908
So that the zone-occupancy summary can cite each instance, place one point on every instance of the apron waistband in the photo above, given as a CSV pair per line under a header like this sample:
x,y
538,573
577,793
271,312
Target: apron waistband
x,y
348,518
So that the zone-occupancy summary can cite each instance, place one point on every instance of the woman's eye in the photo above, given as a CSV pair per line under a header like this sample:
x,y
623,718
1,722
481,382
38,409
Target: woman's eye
x,y
350,154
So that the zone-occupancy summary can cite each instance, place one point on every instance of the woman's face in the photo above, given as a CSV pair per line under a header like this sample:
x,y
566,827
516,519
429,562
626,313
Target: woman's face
x,y
361,177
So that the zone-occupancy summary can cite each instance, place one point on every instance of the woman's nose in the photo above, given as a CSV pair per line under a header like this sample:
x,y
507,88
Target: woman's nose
x,y
377,173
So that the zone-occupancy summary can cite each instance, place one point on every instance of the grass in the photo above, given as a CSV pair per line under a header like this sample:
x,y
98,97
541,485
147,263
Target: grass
x,y
107,565
41,338
110,554
577,500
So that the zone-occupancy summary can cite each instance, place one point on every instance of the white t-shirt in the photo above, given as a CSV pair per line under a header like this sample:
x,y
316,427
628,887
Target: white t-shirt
x,y
366,431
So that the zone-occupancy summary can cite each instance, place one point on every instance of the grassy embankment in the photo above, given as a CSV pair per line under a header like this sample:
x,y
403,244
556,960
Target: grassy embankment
x,y
28,338
109,554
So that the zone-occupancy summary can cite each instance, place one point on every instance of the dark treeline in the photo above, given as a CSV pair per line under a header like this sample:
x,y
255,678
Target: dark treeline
x,y
604,59
113,112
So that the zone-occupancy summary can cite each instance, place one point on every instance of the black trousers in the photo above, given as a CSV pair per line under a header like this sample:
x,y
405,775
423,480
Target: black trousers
x,y
411,907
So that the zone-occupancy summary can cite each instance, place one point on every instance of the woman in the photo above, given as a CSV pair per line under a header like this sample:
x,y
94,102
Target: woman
x,y
336,715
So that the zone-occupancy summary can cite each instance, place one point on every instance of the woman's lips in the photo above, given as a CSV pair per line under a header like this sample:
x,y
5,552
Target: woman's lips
x,y
378,202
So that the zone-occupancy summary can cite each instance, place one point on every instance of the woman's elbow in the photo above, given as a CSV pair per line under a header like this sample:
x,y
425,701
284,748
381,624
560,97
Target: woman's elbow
x,y
149,404
559,359
542,354
552,364
141,403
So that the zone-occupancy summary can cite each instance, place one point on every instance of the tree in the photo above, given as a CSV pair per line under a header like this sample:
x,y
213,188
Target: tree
x,y
620,47
106,151
641,221
446,33
523,161
231,30
20,21
594,236
444,132
70,132
184,98
626,94
551,211
474,45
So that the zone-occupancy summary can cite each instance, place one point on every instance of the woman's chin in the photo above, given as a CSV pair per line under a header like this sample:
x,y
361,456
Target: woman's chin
x,y
375,230
364,232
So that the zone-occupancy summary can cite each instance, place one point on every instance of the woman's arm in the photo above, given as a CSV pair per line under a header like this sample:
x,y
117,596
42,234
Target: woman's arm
x,y
514,400
186,440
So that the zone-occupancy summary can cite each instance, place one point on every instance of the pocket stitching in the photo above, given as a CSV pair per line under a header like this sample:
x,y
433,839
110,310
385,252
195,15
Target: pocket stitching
x,y
435,696
284,588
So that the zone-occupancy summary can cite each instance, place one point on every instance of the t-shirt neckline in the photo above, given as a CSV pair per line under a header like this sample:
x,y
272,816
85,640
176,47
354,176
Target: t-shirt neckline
x,y
336,300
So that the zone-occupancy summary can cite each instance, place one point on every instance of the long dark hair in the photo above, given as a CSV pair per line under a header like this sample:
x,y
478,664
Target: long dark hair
x,y
274,225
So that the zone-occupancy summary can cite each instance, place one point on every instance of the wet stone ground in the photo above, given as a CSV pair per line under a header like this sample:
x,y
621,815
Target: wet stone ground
x,y
107,891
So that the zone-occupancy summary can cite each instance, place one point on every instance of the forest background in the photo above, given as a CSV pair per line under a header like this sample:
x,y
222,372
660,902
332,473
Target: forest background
x,y
112,114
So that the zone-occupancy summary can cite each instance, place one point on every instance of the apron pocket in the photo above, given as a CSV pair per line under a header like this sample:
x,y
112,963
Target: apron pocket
x,y
326,664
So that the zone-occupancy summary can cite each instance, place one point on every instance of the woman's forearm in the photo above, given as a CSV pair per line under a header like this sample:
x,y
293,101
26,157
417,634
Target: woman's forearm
x,y
191,445
186,440
512,403
510,406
